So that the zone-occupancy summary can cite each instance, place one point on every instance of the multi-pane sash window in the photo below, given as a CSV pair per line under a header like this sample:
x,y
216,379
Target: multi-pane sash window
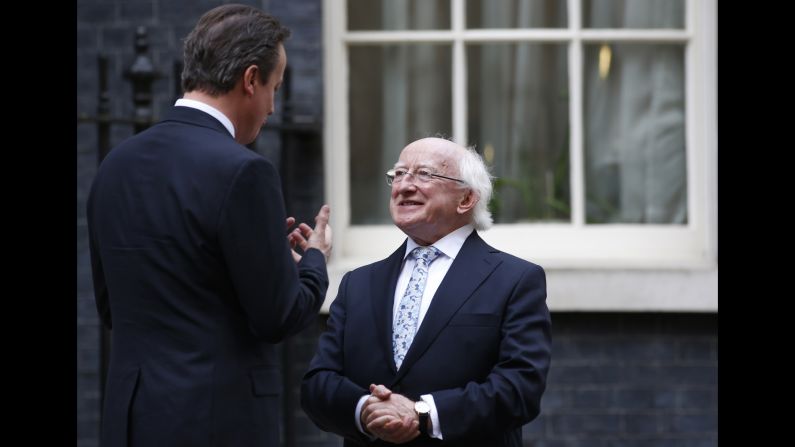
x,y
596,117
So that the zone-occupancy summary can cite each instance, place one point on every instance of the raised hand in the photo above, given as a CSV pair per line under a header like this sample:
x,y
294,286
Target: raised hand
x,y
320,237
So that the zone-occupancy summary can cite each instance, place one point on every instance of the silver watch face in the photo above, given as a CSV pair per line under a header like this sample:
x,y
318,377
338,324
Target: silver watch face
x,y
421,406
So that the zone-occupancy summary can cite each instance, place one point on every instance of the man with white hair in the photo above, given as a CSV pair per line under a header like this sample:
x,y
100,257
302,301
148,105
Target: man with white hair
x,y
446,341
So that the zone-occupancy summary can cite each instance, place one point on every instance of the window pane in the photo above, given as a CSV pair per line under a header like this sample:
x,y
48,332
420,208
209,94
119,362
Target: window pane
x,y
633,14
398,94
516,14
635,158
398,14
519,121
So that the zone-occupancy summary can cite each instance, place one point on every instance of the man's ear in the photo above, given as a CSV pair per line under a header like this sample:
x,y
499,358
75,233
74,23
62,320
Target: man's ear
x,y
467,202
250,79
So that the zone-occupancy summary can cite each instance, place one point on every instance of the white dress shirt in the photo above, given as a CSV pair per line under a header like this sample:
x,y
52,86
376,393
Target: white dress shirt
x,y
449,246
215,113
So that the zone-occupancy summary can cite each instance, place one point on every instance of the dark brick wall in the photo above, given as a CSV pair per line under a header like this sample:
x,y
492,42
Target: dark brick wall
x,y
630,380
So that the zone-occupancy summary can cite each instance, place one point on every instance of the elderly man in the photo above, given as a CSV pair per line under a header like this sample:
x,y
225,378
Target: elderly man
x,y
446,341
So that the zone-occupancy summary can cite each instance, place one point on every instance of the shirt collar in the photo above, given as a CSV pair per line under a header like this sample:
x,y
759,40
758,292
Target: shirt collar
x,y
449,245
204,107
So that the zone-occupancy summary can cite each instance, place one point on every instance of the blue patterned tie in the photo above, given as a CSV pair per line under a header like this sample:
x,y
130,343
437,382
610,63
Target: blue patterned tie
x,y
408,312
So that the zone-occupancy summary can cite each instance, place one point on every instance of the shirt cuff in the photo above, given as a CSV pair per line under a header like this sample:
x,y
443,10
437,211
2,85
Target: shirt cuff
x,y
436,430
358,416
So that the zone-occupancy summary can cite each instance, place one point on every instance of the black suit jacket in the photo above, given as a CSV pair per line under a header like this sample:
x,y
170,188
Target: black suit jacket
x,y
482,350
193,273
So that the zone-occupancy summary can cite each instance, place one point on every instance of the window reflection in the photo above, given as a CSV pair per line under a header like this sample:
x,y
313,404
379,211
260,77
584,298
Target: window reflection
x,y
398,94
519,120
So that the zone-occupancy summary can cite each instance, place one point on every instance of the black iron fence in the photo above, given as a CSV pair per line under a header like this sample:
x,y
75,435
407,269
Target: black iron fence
x,y
142,74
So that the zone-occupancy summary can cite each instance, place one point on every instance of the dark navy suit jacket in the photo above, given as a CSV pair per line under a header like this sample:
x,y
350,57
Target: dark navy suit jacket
x,y
193,273
482,350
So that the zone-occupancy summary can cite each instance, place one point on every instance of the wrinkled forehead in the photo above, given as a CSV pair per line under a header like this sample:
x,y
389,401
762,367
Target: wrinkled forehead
x,y
426,154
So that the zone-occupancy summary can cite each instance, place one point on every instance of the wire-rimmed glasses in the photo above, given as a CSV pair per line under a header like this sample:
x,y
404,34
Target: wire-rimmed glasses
x,y
422,174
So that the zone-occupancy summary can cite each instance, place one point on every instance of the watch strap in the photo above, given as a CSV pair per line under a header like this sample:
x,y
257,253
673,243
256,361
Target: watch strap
x,y
423,424
423,419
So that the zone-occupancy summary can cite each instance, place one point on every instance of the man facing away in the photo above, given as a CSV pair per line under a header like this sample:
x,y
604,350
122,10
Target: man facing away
x,y
446,341
192,264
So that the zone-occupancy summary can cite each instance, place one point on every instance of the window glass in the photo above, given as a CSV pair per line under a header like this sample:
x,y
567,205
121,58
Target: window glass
x,y
638,14
397,94
519,120
634,117
516,14
393,15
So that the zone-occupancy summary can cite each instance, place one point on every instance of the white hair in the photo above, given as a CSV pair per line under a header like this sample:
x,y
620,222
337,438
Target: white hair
x,y
473,171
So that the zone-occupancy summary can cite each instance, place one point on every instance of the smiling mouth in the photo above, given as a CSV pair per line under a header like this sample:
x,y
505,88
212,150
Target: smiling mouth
x,y
409,203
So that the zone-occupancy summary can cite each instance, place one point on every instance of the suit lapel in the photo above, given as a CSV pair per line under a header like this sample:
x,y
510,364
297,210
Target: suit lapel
x,y
470,268
384,281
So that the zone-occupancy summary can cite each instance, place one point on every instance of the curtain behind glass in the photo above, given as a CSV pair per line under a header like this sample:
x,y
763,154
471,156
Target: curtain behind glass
x,y
516,14
395,15
398,94
519,114
635,158
644,14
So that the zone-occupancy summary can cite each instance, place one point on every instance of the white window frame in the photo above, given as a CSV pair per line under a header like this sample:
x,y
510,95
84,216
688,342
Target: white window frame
x,y
630,255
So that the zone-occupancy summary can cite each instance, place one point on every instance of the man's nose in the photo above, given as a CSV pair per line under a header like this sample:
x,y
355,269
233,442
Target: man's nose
x,y
411,175
405,184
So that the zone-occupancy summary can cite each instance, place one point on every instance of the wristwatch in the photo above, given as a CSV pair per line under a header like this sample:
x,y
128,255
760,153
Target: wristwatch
x,y
423,411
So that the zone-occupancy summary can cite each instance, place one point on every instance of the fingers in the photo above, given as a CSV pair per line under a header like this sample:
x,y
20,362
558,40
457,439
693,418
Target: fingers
x,y
380,391
391,426
299,236
304,229
296,239
394,430
305,237
321,220
378,424
293,238
384,420
328,235
395,424
375,411
394,406
320,237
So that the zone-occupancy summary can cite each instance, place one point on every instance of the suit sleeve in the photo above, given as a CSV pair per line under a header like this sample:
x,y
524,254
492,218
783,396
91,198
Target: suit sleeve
x,y
328,397
510,396
278,297
97,272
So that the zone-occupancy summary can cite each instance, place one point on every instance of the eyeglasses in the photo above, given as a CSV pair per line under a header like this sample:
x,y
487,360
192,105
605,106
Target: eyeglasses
x,y
422,174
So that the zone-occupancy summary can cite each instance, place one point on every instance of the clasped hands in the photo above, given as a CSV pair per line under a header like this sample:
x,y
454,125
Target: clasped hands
x,y
390,416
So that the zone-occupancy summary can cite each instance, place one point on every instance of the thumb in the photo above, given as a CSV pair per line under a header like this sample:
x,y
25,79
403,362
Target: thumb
x,y
321,220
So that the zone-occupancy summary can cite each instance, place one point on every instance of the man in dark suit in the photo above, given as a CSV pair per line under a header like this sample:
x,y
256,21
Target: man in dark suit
x,y
455,333
192,264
